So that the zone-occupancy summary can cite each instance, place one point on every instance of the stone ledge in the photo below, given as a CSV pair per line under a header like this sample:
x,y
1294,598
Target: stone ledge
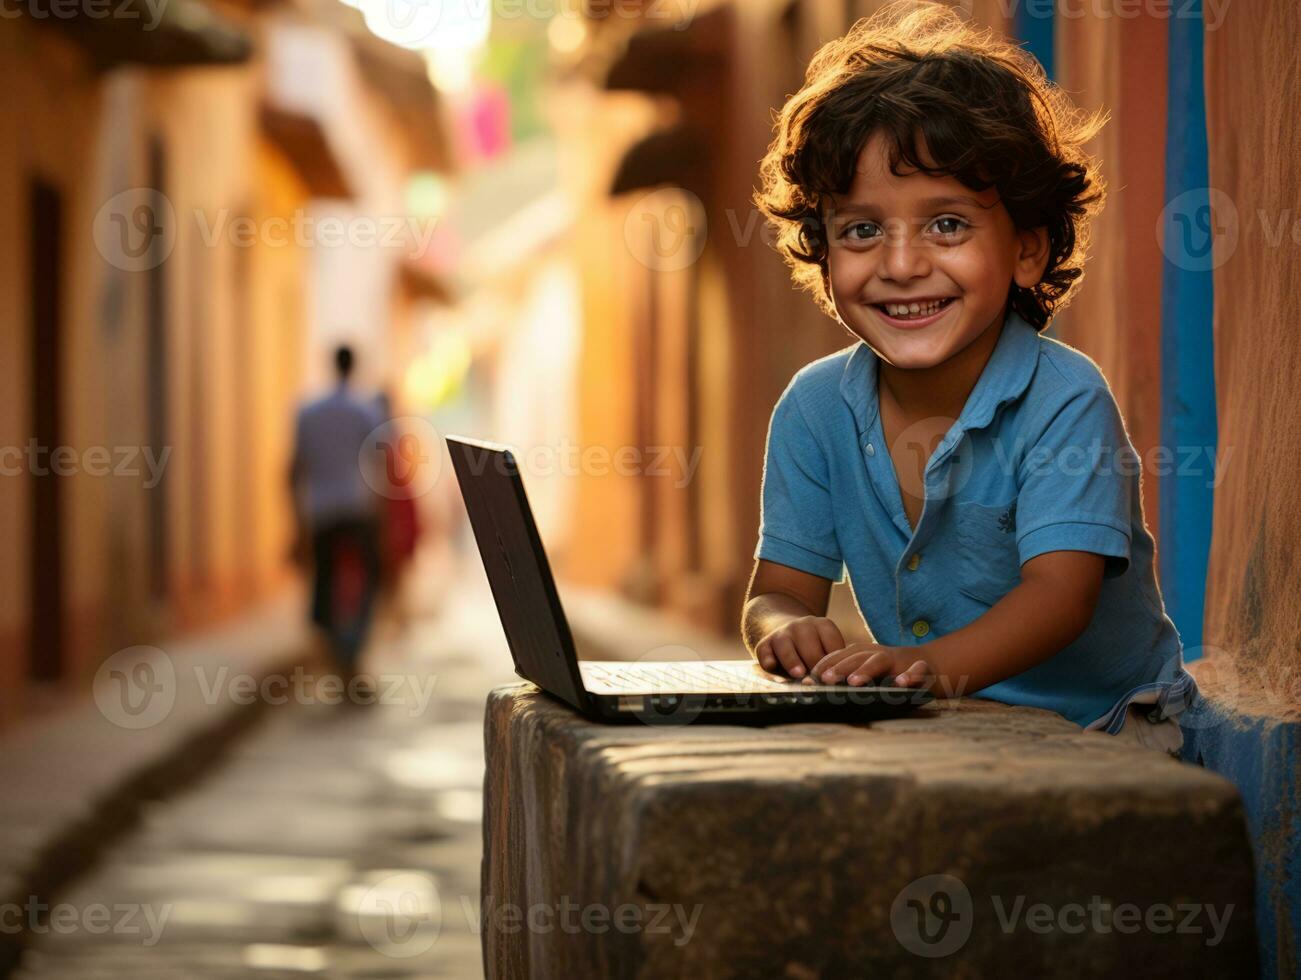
x,y
794,841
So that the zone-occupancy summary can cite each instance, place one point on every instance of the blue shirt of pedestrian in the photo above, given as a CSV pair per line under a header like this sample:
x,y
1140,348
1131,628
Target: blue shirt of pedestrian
x,y
1037,461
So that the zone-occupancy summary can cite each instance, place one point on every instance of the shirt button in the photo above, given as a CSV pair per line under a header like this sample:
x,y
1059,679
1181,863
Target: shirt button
x,y
921,628
871,450
914,561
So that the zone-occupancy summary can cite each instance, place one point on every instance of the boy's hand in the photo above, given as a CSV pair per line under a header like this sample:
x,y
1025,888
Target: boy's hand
x,y
794,647
862,663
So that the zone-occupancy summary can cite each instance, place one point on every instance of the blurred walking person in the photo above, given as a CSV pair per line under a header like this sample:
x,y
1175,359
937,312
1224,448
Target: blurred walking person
x,y
338,513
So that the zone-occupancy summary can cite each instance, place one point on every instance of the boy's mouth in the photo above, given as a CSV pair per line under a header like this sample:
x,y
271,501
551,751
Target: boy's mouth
x,y
914,313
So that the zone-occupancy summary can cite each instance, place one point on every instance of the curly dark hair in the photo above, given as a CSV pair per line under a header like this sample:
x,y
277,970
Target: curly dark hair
x,y
982,108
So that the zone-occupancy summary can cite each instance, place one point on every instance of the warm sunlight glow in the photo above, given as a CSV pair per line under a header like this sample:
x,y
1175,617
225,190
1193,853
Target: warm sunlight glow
x,y
436,375
566,32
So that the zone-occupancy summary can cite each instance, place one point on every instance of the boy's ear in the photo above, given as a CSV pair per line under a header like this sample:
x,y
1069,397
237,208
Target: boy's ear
x,y
1033,257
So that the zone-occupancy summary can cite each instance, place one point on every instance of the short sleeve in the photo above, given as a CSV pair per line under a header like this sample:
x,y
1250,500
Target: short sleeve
x,y
1077,484
797,528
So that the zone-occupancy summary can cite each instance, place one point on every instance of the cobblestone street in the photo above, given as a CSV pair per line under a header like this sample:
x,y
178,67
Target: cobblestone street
x,y
334,839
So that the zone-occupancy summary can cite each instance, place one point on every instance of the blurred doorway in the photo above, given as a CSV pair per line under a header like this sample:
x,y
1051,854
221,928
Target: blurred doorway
x,y
156,377
45,550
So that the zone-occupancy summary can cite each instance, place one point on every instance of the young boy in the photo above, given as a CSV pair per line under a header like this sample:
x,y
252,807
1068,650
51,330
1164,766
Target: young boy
x,y
930,188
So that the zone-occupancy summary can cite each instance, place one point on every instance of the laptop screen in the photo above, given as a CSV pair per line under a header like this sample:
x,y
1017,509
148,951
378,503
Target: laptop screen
x,y
517,567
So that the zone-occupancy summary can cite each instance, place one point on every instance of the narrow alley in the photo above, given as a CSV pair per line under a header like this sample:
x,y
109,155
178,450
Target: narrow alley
x,y
338,840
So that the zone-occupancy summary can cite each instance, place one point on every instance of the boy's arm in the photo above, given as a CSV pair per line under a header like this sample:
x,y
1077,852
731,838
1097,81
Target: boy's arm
x,y
784,622
1049,609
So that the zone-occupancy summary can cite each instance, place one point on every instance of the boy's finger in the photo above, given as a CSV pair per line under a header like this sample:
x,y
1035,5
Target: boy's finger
x,y
763,654
829,633
915,675
784,650
846,666
829,661
871,668
808,644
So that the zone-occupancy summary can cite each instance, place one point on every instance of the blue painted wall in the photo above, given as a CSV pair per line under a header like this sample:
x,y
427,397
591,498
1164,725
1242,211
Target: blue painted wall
x,y
1032,22
1262,757
1188,409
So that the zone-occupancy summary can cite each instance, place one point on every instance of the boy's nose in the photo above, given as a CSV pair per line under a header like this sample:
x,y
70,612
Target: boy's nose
x,y
905,257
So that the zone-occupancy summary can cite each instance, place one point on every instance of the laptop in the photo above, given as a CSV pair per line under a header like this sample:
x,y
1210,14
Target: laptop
x,y
661,692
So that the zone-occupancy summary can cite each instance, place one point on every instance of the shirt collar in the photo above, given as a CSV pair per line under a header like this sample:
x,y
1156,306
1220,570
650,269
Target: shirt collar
x,y
1005,377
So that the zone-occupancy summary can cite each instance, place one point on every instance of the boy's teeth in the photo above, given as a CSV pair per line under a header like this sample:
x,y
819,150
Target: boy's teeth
x,y
906,310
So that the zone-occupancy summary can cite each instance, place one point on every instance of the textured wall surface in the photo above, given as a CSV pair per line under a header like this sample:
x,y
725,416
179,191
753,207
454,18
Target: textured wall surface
x,y
1119,65
1253,603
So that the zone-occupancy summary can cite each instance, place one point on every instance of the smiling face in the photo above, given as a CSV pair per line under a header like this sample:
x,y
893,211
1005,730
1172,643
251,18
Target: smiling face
x,y
920,266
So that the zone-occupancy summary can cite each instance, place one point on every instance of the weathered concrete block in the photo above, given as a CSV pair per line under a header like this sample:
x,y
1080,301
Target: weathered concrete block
x,y
806,850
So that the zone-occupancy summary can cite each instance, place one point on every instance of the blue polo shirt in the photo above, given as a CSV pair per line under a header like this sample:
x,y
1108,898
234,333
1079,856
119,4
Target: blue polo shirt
x,y
1038,460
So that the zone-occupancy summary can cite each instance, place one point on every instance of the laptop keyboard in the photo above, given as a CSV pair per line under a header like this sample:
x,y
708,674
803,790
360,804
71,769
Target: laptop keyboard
x,y
686,678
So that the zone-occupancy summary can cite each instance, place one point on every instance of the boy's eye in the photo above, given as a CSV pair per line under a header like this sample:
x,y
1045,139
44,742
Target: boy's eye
x,y
949,225
858,231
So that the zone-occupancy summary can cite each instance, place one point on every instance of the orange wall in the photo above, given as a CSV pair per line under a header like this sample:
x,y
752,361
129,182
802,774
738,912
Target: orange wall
x,y
1253,601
